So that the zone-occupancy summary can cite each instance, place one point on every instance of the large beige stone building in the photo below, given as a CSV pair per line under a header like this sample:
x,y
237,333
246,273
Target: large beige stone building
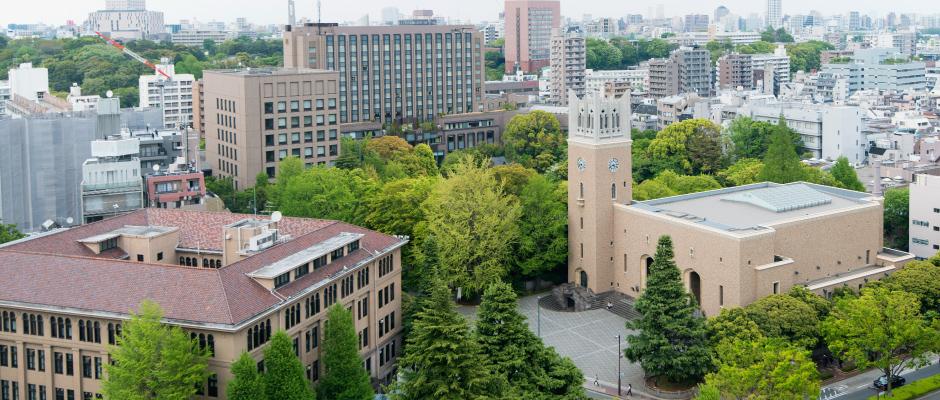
x,y
230,280
255,117
733,245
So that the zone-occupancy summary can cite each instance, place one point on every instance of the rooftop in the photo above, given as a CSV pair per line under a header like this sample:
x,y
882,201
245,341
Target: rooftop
x,y
752,208
57,271
267,71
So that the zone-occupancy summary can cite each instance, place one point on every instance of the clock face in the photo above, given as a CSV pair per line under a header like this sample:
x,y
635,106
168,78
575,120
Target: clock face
x,y
613,164
582,164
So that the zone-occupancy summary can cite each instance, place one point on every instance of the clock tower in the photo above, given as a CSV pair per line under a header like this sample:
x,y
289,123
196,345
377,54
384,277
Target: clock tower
x,y
599,175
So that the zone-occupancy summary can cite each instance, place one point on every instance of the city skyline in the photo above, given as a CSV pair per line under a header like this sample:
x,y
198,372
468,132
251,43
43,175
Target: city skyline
x,y
57,12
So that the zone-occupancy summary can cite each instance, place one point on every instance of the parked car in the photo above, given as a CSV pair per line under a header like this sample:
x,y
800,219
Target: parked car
x,y
882,382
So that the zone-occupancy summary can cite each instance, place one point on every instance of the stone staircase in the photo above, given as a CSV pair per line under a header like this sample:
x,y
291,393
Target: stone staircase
x,y
622,305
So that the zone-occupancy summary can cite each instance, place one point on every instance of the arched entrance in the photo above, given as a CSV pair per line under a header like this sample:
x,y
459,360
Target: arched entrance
x,y
646,262
695,286
583,279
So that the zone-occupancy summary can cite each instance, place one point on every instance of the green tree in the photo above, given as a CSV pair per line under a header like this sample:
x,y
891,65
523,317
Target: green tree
x,y
781,163
882,329
764,369
776,36
845,174
743,172
805,56
529,136
896,218
9,233
154,361
283,373
531,369
474,225
247,383
344,377
786,317
672,342
328,193
209,46
694,145
543,226
921,278
732,324
441,359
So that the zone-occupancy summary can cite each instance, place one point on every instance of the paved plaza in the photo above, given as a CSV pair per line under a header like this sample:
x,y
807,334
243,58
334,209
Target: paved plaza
x,y
589,338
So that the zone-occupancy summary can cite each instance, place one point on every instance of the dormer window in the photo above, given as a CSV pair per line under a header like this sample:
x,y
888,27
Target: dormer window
x,y
301,270
281,280
109,244
352,247
319,262
337,254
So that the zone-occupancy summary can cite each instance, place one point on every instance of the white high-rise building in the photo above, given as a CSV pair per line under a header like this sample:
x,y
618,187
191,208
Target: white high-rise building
x,y
925,216
774,13
126,20
174,96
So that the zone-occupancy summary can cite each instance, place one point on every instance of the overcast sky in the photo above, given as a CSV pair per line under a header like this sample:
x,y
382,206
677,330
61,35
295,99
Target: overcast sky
x,y
275,11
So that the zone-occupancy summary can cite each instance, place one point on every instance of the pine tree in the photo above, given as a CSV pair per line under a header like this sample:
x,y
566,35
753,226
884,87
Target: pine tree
x,y
845,174
284,377
153,360
781,162
247,383
441,360
531,369
672,342
344,377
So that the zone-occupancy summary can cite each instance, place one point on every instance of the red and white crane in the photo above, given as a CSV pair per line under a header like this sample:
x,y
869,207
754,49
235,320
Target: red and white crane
x,y
134,55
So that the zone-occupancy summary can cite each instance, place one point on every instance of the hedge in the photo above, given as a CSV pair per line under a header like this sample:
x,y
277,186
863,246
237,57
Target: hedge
x,y
913,390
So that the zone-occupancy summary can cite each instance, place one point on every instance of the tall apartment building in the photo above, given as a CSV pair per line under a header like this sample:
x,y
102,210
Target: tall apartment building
x,y
687,70
174,96
925,216
126,20
774,15
256,117
734,71
229,280
568,64
399,73
528,30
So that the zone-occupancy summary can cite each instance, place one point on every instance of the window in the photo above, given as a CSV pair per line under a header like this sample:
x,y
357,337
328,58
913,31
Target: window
x,y
613,191
140,258
362,278
69,364
294,106
281,279
307,105
268,107
4,354
160,256
98,368
386,264
58,363
364,338
213,386
776,287
312,338
114,330
269,123
259,334
8,321
721,295
86,367
337,254
41,358
31,359
281,106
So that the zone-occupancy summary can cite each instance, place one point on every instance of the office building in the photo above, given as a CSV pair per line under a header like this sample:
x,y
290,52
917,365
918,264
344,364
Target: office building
x,y
228,280
111,179
925,216
197,38
827,131
174,96
774,15
256,117
687,70
696,23
568,63
878,69
394,73
733,246
528,31
126,20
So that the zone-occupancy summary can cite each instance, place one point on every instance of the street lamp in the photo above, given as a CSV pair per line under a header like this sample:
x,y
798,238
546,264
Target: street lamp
x,y
619,356
538,318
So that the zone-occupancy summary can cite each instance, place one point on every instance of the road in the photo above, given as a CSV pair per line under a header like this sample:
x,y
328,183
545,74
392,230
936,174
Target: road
x,y
859,387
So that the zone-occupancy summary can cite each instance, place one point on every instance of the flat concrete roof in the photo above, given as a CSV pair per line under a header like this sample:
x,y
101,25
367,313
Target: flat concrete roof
x,y
755,207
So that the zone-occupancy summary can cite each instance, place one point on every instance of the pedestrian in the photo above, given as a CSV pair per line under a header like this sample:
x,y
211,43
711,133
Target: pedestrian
x,y
609,305
596,383
629,389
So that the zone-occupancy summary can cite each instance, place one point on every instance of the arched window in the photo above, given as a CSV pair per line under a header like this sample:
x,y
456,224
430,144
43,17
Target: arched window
x,y
182,260
210,341
205,262
582,189
584,279
40,324
202,340
613,190
68,328
52,325
97,332
81,330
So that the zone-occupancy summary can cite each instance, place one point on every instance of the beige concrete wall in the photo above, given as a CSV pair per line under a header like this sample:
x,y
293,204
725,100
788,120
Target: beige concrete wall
x,y
151,248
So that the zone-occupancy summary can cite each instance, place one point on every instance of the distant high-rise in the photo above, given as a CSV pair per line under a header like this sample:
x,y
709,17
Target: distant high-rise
x,y
568,63
390,16
696,23
774,13
529,25
291,16
126,20
721,12
855,21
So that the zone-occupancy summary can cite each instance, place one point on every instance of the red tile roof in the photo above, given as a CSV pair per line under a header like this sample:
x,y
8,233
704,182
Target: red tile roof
x,y
55,270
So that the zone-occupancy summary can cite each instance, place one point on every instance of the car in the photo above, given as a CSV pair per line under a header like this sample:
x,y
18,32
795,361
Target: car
x,y
882,382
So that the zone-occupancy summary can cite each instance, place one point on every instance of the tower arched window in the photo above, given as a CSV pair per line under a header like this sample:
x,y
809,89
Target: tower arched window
x,y
582,190
613,190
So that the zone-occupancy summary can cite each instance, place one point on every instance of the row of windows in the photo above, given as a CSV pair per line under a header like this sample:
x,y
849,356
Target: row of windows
x,y
313,338
63,364
312,305
387,353
295,137
295,105
346,286
89,331
386,264
920,223
212,387
362,308
206,262
259,334
364,338
387,324
225,105
362,278
292,316
321,120
205,341
386,295
8,356
8,321
61,327
32,324
8,387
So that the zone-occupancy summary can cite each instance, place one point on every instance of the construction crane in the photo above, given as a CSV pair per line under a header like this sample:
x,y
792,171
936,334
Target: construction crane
x,y
134,55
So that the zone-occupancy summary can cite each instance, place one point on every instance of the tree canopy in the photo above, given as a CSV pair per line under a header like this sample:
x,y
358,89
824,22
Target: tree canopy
x,y
247,383
534,140
9,233
153,360
781,162
284,376
896,218
344,377
843,172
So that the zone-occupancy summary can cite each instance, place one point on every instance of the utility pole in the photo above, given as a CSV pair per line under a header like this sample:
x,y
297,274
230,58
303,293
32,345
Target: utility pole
x,y
619,356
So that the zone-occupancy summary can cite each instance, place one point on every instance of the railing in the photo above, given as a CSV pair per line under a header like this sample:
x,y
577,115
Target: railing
x,y
108,186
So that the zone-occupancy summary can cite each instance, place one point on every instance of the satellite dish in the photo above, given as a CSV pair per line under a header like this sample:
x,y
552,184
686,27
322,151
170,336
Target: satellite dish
x,y
156,168
109,94
276,216
69,220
